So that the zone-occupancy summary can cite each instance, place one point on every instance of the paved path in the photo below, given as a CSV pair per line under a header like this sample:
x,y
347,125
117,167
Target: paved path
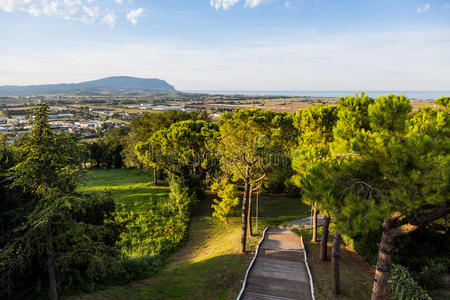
x,y
305,223
279,271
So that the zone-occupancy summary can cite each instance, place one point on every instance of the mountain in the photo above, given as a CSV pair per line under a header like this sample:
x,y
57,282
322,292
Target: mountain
x,y
115,84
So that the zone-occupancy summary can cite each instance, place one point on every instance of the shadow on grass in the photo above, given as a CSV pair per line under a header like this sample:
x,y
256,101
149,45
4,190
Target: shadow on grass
x,y
217,277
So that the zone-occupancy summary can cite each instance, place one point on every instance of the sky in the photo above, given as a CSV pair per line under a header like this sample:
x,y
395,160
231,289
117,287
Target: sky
x,y
230,44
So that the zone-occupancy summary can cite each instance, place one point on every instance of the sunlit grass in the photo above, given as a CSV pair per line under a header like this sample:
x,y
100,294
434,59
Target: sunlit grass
x,y
131,189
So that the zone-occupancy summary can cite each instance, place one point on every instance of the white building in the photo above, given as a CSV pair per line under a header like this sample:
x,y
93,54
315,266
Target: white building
x,y
61,116
89,124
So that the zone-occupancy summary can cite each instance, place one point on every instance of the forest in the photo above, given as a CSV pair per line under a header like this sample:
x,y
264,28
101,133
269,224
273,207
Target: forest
x,y
378,171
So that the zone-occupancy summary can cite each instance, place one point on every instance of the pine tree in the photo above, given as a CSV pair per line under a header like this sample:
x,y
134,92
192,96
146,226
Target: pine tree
x,y
315,126
245,142
393,174
224,208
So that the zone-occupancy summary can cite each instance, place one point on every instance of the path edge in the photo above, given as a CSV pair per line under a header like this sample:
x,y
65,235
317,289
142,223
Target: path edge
x,y
311,284
251,265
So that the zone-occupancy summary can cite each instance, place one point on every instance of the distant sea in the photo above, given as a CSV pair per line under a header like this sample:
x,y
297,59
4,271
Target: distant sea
x,y
425,95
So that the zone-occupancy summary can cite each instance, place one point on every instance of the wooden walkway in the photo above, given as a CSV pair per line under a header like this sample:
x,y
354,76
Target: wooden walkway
x,y
279,271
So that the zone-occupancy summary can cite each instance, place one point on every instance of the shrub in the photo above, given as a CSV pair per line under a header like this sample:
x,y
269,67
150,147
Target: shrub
x,y
404,287
159,227
432,275
367,246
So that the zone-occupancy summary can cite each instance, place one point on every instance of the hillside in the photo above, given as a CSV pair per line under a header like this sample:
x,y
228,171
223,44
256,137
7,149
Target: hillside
x,y
115,84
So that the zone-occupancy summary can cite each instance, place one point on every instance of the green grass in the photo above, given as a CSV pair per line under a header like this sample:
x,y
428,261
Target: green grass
x,y
276,210
150,227
129,188
210,265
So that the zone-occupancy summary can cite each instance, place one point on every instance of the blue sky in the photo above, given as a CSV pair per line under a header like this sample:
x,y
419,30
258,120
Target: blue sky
x,y
230,44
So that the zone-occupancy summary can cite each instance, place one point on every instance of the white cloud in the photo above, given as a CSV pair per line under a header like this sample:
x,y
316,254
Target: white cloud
x,y
224,4
255,3
287,4
91,14
73,10
134,15
110,19
426,7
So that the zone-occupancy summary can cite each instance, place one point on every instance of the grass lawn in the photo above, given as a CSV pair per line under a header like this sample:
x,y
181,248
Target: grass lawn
x,y
129,188
209,266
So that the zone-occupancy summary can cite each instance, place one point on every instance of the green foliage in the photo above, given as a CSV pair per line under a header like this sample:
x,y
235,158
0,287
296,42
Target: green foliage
x,y
366,245
83,235
443,101
404,287
224,208
160,228
107,152
182,150
254,138
388,167
397,163
389,113
352,118
49,227
315,127
143,127
432,275
44,166
279,179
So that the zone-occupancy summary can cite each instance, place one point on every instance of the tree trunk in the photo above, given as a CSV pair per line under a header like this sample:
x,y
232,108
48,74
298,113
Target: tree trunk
x,y
335,256
324,239
250,227
388,236
155,176
245,209
314,235
51,266
382,267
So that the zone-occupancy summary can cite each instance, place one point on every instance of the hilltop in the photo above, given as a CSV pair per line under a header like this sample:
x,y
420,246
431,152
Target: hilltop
x,y
115,84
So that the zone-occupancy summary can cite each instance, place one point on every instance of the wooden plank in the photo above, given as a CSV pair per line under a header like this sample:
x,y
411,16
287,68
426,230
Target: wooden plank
x,y
279,269
279,245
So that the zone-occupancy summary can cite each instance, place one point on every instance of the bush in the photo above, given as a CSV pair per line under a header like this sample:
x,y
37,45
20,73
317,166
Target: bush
x,y
434,246
367,246
404,287
432,275
423,246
